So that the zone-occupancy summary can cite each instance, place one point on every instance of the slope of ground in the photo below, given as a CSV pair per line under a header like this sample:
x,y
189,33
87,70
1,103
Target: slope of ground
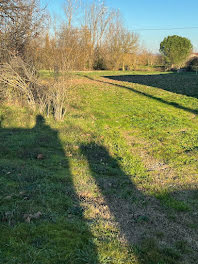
x,y
115,182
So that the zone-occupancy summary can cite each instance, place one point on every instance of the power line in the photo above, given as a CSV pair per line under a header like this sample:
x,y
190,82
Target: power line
x,y
154,29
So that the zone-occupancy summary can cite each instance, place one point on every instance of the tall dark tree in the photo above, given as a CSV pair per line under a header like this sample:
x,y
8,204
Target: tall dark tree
x,y
176,50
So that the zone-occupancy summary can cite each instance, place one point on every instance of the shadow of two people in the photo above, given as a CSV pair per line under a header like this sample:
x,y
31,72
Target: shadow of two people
x,y
140,217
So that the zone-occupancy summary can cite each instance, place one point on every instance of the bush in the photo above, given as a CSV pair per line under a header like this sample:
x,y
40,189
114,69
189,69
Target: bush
x,y
19,83
99,64
193,64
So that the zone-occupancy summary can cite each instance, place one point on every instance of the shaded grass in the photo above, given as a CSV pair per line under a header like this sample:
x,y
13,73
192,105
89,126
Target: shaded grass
x,y
79,221
174,130
183,83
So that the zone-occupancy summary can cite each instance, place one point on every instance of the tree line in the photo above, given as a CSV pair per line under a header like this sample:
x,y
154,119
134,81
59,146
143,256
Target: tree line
x,y
88,37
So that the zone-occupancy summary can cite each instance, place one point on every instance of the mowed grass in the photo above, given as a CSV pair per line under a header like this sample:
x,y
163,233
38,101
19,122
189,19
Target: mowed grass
x,y
114,182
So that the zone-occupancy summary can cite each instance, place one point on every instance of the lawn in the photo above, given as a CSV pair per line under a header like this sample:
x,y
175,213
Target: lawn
x,y
114,182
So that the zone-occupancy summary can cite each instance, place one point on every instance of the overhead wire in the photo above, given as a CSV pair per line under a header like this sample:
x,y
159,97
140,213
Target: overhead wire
x,y
153,29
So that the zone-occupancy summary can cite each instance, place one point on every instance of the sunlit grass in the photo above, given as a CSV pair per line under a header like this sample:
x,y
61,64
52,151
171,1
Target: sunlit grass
x,y
116,181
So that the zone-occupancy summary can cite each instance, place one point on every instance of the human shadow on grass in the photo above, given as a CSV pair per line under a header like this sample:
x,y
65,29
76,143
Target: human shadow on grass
x,y
143,222
41,220
185,84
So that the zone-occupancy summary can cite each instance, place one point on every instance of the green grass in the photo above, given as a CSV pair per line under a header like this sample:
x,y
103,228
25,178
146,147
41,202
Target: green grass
x,y
114,182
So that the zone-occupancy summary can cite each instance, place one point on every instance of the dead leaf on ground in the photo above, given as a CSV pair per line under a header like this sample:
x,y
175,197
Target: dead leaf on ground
x,y
40,156
29,217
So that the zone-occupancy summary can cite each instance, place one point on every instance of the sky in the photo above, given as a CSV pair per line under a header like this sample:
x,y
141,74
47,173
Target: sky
x,y
151,14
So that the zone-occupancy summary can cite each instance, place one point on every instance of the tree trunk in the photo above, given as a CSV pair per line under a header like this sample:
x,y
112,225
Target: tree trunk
x,y
123,66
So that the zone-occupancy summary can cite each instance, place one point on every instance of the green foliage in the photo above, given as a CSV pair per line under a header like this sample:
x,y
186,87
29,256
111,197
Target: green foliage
x,y
169,201
193,64
99,64
99,60
175,49
151,253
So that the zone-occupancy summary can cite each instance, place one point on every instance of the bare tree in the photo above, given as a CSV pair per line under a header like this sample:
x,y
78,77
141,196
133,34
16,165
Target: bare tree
x,y
71,8
97,18
121,43
9,9
21,22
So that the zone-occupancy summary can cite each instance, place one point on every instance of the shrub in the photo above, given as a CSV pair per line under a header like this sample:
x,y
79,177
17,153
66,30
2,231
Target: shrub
x,y
193,64
19,83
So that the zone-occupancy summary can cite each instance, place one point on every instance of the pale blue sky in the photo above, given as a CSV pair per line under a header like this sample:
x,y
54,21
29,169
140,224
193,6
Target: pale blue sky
x,y
151,14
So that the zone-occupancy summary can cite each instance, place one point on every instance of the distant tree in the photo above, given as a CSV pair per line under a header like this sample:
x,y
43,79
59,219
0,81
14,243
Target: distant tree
x,y
176,50
193,64
97,19
122,45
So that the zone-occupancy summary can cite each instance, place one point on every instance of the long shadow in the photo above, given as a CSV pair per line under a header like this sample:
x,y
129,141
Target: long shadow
x,y
181,83
141,219
41,220
143,93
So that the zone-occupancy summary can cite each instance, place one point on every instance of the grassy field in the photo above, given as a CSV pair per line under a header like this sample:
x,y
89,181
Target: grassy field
x,y
114,182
